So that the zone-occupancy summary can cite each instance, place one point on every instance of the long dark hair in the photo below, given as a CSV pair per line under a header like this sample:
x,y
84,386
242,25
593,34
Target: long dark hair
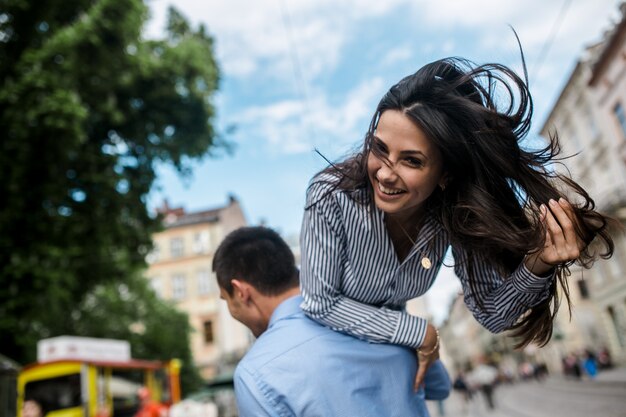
x,y
476,116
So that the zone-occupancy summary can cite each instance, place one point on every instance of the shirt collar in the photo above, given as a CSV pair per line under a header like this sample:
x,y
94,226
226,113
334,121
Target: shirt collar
x,y
289,307
430,227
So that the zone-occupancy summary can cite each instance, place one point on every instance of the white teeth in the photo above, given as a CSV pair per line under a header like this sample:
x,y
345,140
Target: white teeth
x,y
389,191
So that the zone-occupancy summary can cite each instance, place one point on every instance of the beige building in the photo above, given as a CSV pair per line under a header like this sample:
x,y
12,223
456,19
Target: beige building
x,y
466,342
590,118
180,270
460,337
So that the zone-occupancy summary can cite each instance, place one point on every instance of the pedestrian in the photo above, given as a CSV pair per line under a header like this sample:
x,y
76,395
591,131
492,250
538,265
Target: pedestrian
x,y
572,367
462,387
298,367
32,408
147,406
604,358
540,371
441,166
484,376
590,364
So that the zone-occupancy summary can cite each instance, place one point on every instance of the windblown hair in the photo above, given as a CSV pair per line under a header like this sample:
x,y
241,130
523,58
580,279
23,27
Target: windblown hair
x,y
491,204
259,256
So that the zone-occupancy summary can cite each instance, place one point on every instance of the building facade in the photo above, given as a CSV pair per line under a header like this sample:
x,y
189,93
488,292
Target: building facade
x,y
467,343
590,119
180,270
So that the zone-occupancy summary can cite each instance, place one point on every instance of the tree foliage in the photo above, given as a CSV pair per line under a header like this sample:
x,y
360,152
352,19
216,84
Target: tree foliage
x,y
132,311
88,107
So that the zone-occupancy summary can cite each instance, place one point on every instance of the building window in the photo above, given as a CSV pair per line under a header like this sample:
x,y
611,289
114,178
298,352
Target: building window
x,y
621,117
616,325
205,282
208,331
179,287
154,254
177,248
582,287
157,286
201,242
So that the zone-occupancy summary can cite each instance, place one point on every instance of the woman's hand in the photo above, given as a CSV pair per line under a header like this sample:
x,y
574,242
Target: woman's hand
x,y
426,354
562,242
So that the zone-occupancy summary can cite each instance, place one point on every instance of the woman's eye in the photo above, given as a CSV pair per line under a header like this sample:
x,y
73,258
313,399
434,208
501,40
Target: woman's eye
x,y
380,147
415,162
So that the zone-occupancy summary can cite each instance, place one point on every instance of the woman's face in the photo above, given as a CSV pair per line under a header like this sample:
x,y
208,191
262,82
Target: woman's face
x,y
413,167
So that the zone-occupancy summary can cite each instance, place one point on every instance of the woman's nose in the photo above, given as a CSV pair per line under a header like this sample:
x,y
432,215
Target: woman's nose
x,y
385,172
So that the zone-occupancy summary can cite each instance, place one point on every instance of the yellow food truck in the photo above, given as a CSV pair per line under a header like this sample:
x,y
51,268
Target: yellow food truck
x,y
86,377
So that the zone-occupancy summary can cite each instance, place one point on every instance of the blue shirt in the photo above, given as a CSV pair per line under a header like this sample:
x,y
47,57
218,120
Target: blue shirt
x,y
298,367
352,281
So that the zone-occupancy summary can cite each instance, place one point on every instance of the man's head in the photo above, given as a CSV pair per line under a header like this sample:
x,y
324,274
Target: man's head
x,y
31,408
143,393
255,270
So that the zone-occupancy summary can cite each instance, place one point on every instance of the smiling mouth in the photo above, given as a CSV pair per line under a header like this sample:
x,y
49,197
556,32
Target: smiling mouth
x,y
389,191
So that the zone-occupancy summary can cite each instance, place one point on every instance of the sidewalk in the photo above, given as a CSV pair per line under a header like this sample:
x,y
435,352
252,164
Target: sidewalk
x,y
555,396
612,375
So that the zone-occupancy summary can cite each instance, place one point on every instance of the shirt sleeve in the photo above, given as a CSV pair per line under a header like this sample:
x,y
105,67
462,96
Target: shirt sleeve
x,y
504,299
323,259
254,398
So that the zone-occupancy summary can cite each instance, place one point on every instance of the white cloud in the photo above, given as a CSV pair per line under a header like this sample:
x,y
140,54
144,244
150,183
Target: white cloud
x,y
292,126
267,36
399,54
264,43
262,35
447,46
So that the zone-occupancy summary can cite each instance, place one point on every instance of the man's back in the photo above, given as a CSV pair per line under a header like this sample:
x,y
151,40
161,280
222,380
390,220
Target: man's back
x,y
300,368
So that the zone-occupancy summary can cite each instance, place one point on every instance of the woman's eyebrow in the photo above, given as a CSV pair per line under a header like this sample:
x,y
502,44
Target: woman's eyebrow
x,y
414,153
408,152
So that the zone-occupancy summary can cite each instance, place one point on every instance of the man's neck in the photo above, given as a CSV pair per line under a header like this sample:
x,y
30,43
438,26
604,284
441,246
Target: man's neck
x,y
267,304
272,302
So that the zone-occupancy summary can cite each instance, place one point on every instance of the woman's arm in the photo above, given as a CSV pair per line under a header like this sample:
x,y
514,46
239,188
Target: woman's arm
x,y
504,299
324,258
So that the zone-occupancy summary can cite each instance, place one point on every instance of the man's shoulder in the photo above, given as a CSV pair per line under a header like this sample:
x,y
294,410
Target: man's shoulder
x,y
303,340
296,333
302,365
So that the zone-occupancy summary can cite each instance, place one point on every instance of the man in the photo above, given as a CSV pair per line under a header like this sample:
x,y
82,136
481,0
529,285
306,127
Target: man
x,y
298,367
31,408
147,406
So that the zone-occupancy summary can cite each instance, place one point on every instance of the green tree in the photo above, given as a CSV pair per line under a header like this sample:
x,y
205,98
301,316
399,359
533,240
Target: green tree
x,y
88,108
132,311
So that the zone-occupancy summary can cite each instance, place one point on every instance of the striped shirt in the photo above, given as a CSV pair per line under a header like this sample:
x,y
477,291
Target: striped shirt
x,y
352,281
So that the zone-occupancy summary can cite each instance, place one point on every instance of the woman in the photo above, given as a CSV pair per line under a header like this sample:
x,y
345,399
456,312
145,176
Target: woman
x,y
441,166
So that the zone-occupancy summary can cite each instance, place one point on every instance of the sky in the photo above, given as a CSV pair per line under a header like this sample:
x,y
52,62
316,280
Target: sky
x,y
302,75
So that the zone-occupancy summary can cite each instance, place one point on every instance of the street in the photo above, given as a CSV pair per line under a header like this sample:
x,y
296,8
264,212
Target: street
x,y
556,396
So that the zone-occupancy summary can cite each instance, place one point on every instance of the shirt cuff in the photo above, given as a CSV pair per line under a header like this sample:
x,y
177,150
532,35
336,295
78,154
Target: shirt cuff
x,y
410,332
525,281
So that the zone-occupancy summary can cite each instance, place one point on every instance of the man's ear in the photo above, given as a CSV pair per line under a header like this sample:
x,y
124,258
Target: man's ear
x,y
241,290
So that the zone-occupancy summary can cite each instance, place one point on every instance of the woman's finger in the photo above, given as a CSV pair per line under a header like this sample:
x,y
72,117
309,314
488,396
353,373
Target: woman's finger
x,y
543,218
565,218
571,214
553,227
421,373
